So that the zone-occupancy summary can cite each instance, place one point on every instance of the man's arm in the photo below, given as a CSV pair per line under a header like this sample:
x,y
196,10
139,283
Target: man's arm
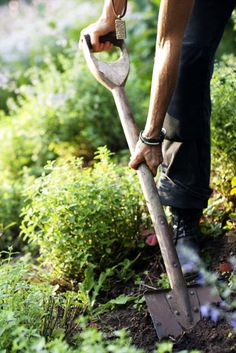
x,y
172,21
173,17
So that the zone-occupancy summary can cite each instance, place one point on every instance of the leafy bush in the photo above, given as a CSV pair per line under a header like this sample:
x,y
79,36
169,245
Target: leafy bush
x,y
62,112
24,340
224,120
90,340
11,196
22,302
26,316
220,214
84,215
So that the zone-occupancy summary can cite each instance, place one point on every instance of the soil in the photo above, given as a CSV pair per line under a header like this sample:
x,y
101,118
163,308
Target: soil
x,y
207,336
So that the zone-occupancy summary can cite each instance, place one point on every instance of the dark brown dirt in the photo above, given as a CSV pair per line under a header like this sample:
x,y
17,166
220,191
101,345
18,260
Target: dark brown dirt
x,y
207,336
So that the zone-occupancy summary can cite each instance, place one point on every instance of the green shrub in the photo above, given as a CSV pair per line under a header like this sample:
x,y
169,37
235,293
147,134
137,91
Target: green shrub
x,y
84,215
220,213
224,119
24,340
22,302
223,126
11,197
63,111
30,324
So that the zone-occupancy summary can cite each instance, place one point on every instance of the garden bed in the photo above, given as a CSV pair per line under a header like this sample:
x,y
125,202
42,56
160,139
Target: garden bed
x,y
207,336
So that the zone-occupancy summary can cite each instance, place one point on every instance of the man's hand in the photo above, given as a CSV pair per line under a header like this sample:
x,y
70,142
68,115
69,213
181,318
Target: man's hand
x,y
151,155
98,29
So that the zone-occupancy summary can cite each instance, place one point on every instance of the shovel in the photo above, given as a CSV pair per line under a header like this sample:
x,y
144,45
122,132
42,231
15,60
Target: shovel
x,y
176,310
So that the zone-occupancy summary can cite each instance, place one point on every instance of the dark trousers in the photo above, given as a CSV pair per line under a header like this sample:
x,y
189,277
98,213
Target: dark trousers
x,y
185,171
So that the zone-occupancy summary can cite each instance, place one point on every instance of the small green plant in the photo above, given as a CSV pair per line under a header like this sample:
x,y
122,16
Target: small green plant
x,y
89,289
163,281
84,215
22,301
35,318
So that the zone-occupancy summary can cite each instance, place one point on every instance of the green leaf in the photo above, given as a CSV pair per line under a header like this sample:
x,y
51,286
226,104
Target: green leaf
x,y
233,182
165,347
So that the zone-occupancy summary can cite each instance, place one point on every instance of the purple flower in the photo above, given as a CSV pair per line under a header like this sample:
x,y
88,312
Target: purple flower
x,y
233,320
205,310
214,314
233,323
208,311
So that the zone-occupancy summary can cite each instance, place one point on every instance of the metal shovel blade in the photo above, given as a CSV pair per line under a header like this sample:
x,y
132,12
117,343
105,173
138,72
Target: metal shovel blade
x,y
168,318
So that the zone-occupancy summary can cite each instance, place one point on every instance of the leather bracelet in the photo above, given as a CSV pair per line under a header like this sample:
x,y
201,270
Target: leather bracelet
x,y
153,141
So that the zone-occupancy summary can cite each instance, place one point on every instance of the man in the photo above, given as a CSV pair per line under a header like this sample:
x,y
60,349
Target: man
x,y
188,34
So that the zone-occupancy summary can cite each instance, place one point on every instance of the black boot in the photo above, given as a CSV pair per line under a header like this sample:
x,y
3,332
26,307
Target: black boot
x,y
186,230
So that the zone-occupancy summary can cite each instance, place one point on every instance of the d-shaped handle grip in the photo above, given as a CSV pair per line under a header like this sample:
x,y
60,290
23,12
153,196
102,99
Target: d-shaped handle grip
x,y
110,74
110,37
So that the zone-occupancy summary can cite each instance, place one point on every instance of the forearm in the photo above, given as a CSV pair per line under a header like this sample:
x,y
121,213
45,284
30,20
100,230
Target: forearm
x,y
165,74
108,12
173,17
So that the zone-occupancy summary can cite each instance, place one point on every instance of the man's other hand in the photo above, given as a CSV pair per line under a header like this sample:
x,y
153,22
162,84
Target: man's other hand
x,y
151,155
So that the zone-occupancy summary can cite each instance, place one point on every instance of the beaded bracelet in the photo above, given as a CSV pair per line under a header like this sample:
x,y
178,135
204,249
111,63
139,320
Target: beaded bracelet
x,y
153,141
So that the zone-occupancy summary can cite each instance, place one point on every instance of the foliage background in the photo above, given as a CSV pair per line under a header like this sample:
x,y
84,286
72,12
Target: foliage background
x,y
53,113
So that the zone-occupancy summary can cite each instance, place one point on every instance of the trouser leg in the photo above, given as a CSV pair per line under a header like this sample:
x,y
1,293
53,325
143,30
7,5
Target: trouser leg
x,y
185,172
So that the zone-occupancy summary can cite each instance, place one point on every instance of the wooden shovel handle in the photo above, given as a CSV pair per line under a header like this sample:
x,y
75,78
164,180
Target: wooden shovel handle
x,y
149,189
113,76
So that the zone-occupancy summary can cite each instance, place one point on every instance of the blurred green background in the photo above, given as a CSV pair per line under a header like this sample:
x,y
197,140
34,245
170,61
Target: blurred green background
x,y
66,197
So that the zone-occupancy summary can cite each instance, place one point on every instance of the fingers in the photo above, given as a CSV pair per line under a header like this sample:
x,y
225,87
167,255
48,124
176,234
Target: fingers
x,y
136,160
97,46
153,167
108,46
153,161
152,156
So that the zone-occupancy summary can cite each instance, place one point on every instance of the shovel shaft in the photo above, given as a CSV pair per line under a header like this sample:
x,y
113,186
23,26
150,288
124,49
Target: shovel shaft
x,y
149,189
182,310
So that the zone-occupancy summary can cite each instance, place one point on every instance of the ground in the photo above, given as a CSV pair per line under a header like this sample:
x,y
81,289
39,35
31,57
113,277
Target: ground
x,y
207,336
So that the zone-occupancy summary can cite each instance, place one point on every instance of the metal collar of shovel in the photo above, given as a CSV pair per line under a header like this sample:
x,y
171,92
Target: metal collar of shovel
x,y
176,310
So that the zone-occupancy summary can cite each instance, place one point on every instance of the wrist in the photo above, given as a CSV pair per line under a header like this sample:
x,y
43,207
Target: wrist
x,y
151,132
153,141
108,19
